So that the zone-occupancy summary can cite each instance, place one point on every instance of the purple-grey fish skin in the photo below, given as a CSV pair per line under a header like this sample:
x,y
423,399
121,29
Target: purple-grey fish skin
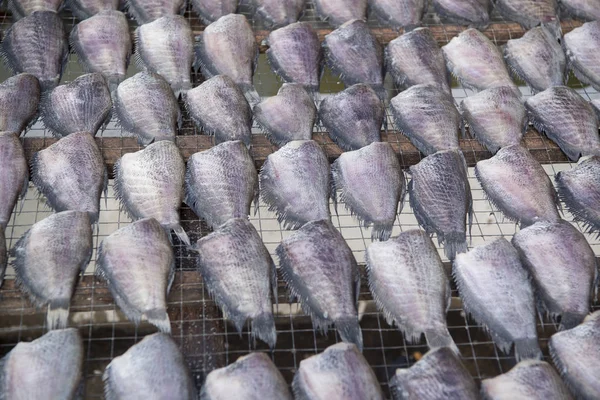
x,y
579,189
71,174
49,258
239,274
295,55
371,184
295,183
476,62
567,119
581,46
166,47
24,8
278,13
491,272
160,372
353,117
221,183
529,379
563,269
596,106
83,9
516,183
405,14
218,107
146,11
37,45
415,58
339,372
46,368
338,12
576,355
138,264
228,47
81,105
587,10
409,284
537,58
355,54
440,196
19,99
428,117
322,273
496,117
530,13
149,184
288,116
253,376
211,10
438,375
474,13
146,106
103,44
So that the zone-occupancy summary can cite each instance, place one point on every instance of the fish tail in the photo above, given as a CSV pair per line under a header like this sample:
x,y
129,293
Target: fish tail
x,y
178,229
440,338
381,232
251,95
454,243
350,331
527,348
263,326
181,88
58,314
570,320
159,318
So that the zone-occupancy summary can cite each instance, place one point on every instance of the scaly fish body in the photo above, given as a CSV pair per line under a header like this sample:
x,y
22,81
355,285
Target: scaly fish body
x,y
405,14
530,13
19,98
279,12
15,175
83,9
146,11
211,10
338,12
587,10
24,8
474,13
580,46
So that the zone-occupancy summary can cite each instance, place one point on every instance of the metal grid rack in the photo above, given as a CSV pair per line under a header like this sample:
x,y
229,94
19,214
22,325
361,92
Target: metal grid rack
x,y
206,339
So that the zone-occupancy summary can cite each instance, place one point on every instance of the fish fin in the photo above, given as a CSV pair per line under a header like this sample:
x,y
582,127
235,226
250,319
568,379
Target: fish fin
x,y
570,320
333,190
271,198
159,318
440,338
109,391
251,95
180,89
349,330
263,327
454,243
24,189
527,348
181,234
297,390
58,314
105,187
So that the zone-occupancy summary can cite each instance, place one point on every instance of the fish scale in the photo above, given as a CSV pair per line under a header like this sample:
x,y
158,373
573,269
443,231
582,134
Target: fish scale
x,y
406,14
83,9
19,99
338,12
279,12
587,10
530,13
474,13
24,8
580,48
211,10
146,11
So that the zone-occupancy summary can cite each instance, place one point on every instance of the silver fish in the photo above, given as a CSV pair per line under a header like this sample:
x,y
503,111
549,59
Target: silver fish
x,y
166,47
81,105
218,107
474,13
211,10
338,373
83,9
427,116
294,182
71,174
529,379
146,11
415,58
239,274
146,107
37,45
103,44
537,58
279,12
355,54
253,376
406,14
19,99
438,375
596,106
295,55
138,264
149,184
220,183
47,368
476,62
440,197
15,175
496,117
587,10
579,189
227,47
530,13
338,12
567,119
576,354
288,116
321,272
353,117
49,258
580,47
409,284
515,182
160,372
24,8
563,269
370,182
485,275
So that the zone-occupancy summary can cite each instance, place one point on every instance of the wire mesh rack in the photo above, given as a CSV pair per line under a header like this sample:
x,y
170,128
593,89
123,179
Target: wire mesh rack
x,y
207,340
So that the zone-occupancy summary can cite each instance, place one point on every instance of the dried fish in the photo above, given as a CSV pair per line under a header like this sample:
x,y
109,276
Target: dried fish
x,y
409,284
427,116
353,117
279,12
580,46
587,10
49,258
474,13
138,264
338,12
83,9
518,186
24,8
211,10
147,11
19,98
321,272
530,13
496,292
294,182
406,14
